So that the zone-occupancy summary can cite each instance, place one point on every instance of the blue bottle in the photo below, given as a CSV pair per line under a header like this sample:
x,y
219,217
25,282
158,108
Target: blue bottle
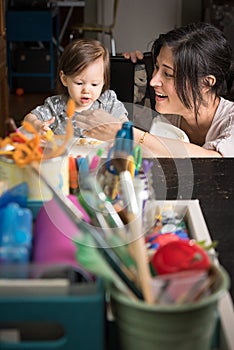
x,y
15,234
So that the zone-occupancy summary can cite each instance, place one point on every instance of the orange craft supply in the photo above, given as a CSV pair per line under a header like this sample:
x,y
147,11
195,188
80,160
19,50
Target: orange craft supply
x,y
25,150
70,107
73,174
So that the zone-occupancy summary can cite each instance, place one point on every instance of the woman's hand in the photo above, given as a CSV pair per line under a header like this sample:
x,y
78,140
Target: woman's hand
x,y
98,124
134,56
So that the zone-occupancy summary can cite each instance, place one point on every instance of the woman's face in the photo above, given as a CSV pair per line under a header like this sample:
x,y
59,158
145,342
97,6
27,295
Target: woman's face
x,y
163,82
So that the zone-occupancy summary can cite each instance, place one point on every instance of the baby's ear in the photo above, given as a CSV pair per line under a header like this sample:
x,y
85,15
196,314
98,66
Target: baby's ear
x,y
63,78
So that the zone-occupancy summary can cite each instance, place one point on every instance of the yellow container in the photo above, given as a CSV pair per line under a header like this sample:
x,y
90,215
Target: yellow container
x,y
56,169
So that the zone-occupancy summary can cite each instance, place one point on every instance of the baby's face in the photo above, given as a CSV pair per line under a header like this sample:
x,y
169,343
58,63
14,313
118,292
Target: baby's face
x,y
85,87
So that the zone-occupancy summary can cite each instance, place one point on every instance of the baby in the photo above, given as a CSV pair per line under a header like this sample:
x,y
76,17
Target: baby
x,y
84,76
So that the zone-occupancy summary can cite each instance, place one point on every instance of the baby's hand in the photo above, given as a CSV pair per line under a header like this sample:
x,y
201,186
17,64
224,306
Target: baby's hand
x,y
45,126
40,126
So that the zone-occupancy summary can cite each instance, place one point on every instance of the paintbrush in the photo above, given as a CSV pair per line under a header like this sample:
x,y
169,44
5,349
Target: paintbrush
x,y
137,246
123,164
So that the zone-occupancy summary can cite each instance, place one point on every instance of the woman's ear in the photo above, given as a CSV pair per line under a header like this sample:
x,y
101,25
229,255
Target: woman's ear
x,y
208,82
63,78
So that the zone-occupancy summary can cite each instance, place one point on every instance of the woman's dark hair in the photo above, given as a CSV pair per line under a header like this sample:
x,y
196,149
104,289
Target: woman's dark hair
x,y
77,55
199,50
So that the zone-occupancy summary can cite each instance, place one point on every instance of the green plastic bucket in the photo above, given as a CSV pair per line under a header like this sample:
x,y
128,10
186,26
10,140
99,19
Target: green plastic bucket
x,y
165,327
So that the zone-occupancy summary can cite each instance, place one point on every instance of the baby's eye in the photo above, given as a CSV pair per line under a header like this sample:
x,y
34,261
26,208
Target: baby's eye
x,y
94,84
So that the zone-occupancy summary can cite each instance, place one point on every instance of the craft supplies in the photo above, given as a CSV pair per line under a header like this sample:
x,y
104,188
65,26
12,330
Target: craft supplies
x,y
73,175
16,234
127,239
20,151
109,255
121,164
15,226
15,175
54,233
96,160
180,255
135,224
137,154
171,325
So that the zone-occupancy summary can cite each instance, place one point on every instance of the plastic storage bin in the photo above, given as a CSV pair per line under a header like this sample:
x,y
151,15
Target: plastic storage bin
x,y
62,322
25,27
49,313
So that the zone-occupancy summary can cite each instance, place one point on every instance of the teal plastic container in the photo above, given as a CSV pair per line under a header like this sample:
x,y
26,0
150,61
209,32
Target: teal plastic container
x,y
58,322
165,327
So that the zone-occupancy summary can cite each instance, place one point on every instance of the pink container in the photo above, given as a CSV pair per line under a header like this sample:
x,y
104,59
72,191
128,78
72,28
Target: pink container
x,y
53,234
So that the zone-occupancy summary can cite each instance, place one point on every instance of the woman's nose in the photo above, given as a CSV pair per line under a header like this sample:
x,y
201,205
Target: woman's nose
x,y
155,80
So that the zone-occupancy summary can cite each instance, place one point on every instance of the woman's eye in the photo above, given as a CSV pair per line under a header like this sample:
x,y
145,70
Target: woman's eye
x,y
169,75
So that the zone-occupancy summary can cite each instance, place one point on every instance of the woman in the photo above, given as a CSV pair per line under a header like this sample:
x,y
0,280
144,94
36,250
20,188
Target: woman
x,y
193,74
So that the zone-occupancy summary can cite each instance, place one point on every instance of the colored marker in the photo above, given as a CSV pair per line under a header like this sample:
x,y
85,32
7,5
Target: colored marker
x,y
73,175
96,160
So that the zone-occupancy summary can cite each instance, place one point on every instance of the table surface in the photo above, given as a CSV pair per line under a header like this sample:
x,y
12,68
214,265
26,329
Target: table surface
x,y
211,181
